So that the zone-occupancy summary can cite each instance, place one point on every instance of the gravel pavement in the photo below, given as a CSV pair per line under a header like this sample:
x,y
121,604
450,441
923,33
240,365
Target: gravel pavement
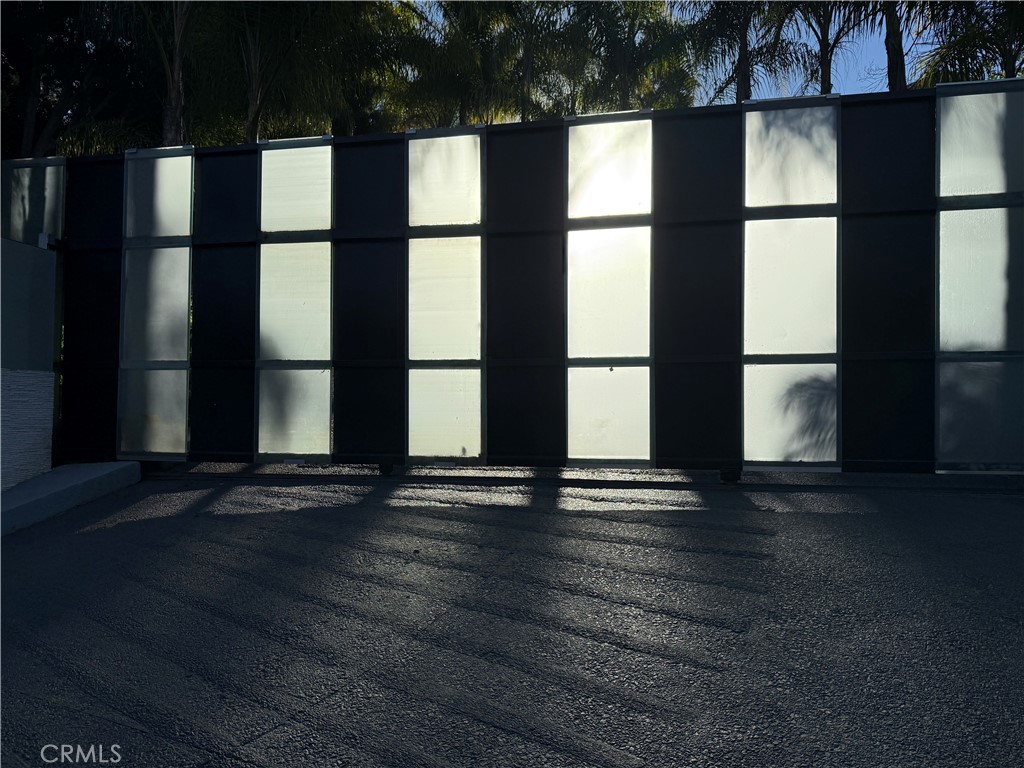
x,y
474,618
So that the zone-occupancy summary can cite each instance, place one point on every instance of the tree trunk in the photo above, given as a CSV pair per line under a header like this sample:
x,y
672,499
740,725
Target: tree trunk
x,y
896,62
524,94
174,106
743,88
46,143
252,122
31,107
825,50
825,64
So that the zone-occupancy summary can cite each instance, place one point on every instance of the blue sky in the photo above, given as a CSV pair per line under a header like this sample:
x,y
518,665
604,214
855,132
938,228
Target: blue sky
x,y
861,68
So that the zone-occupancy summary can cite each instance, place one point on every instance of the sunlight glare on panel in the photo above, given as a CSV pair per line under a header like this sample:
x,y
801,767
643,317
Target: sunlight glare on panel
x,y
295,189
609,292
610,169
609,413
444,181
444,299
295,301
789,286
444,413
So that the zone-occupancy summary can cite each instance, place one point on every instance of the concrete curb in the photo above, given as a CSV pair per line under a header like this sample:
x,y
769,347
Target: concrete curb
x,y
61,489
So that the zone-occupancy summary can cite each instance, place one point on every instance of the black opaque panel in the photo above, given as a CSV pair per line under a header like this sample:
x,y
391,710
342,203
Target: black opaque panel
x,y
888,284
699,408
92,308
227,191
698,290
888,414
370,189
525,180
369,413
86,429
94,202
221,414
888,155
698,167
370,300
224,286
526,415
525,316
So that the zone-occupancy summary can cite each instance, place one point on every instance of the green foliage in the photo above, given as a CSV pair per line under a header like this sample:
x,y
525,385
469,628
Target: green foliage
x,y
99,77
973,41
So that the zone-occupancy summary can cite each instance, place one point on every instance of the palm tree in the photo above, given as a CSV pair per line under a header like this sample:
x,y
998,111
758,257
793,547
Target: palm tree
x,y
739,44
973,41
830,26
641,52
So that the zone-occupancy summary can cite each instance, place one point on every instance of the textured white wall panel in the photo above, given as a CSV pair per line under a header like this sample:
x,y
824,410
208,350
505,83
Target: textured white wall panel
x,y
26,414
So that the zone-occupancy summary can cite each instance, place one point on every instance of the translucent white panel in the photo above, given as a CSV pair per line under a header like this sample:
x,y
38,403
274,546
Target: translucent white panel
x,y
295,189
444,413
981,412
36,203
156,304
610,169
609,292
444,299
789,412
974,295
295,301
154,408
789,282
610,413
159,196
791,156
444,181
981,143
295,412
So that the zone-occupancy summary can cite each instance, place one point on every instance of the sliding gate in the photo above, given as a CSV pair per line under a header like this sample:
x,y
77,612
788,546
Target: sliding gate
x,y
833,281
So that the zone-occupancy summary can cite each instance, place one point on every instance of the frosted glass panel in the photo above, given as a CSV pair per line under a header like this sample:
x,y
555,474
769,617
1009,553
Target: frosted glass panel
x,y
609,413
295,412
974,295
154,405
609,292
981,412
156,304
791,156
295,301
444,299
981,143
444,413
789,412
790,286
610,169
36,203
296,189
444,181
159,196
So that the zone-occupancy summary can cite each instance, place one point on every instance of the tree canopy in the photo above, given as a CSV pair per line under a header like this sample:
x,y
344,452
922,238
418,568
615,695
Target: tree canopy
x,y
99,77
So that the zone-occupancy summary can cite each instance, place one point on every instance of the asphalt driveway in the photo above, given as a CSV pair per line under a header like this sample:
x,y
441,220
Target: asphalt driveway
x,y
597,619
